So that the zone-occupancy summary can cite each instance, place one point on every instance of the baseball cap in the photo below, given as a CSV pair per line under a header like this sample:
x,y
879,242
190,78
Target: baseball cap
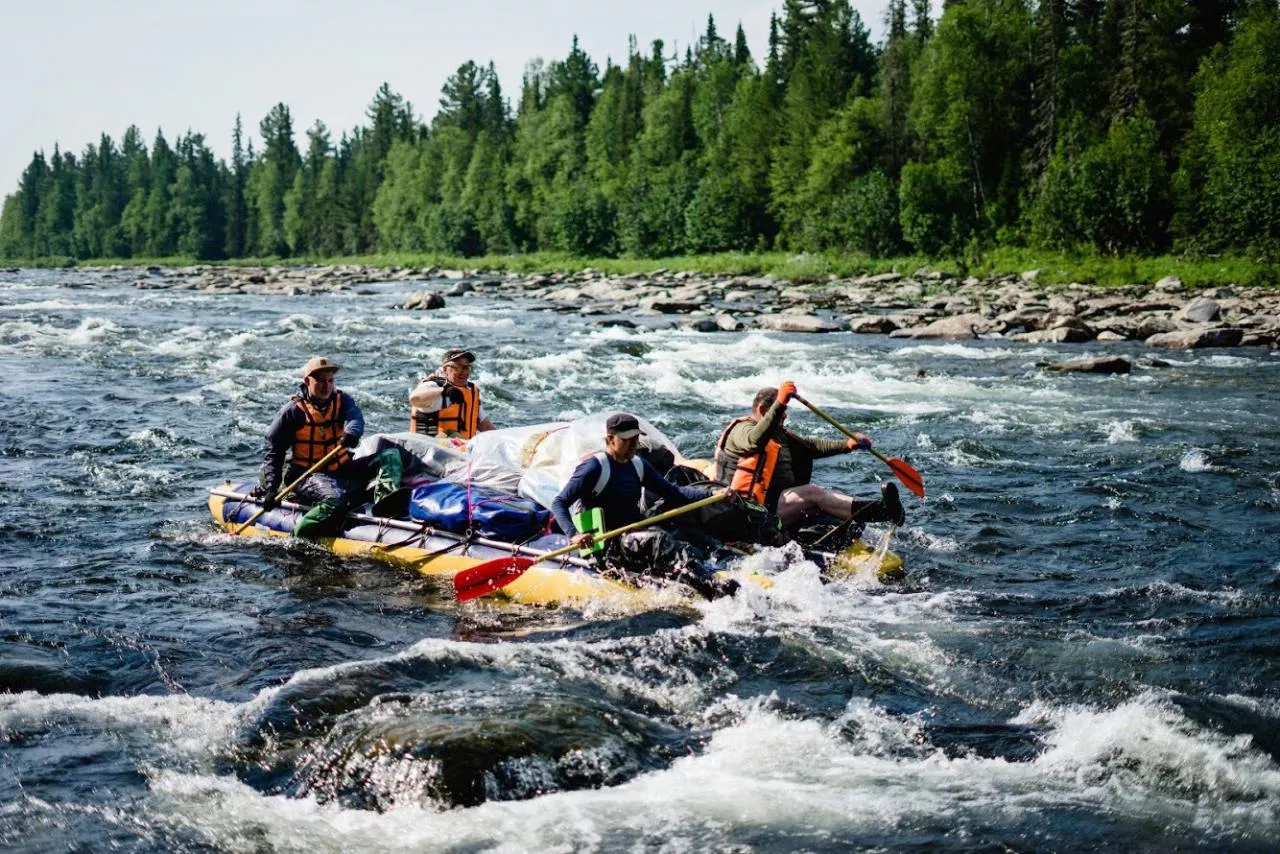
x,y
456,354
316,364
622,425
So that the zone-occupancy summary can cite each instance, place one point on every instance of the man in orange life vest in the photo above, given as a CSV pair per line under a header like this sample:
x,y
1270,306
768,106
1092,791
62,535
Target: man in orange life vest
x,y
448,403
317,418
771,466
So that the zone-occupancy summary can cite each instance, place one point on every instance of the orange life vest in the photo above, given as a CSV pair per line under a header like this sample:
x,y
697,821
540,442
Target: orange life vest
x,y
321,432
459,412
750,474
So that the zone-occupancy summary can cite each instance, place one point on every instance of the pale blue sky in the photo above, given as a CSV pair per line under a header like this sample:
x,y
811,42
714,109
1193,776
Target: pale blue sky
x,y
71,69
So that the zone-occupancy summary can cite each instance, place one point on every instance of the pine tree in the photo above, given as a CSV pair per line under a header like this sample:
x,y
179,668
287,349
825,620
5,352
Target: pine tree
x,y
20,220
137,169
236,205
161,239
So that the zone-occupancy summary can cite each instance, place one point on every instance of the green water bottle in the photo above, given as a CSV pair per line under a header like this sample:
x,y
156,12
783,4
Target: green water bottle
x,y
590,522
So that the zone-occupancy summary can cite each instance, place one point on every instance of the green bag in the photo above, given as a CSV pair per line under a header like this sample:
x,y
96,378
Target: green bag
x,y
590,522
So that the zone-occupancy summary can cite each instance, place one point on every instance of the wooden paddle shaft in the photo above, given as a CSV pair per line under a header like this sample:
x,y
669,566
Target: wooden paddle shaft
x,y
836,424
643,523
288,490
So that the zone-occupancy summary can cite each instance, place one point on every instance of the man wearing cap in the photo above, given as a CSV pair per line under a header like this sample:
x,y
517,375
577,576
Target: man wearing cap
x,y
613,480
318,418
448,403
768,464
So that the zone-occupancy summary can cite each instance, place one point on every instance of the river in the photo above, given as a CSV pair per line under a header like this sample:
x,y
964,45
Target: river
x,y
1084,655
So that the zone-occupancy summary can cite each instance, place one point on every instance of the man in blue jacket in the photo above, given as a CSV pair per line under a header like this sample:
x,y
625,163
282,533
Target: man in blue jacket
x,y
614,481
319,417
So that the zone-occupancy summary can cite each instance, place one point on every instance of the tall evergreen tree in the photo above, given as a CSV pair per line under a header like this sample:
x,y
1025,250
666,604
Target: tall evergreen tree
x,y
162,240
236,204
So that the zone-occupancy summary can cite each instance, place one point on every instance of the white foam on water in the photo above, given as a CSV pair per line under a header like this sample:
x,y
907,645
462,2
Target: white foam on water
x,y
179,346
178,724
1118,432
92,330
760,774
923,539
463,320
956,457
106,477
1196,461
1146,751
301,323
982,354
1171,591
1222,360
51,305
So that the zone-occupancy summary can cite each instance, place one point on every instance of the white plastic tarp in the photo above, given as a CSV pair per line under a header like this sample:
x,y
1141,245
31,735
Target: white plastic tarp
x,y
558,453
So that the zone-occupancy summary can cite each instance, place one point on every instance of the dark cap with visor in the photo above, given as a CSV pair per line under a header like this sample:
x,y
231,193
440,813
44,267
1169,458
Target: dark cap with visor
x,y
458,354
622,425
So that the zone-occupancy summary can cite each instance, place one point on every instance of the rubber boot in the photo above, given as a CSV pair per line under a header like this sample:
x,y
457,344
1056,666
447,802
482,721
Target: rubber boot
x,y
893,510
321,520
887,509
390,470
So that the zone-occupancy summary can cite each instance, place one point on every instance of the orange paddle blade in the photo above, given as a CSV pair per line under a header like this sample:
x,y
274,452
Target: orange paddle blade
x,y
910,478
489,576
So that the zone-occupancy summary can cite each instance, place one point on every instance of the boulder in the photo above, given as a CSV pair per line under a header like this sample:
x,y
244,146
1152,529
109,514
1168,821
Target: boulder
x,y
1259,339
1186,339
564,295
1100,365
728,322
1074,333
423,301
955,328
872,324
1108,335
1153,325
798,323
879,279
461,288
1169,284
1199,310
665,305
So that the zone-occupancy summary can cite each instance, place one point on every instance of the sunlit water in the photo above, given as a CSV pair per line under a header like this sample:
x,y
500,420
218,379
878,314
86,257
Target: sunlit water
x,y
1084,655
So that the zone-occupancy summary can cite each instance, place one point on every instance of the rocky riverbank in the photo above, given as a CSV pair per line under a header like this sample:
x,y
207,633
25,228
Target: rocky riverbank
x,y
925,305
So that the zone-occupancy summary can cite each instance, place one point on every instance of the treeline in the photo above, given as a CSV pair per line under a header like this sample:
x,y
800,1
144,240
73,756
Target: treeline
x,y
1112,126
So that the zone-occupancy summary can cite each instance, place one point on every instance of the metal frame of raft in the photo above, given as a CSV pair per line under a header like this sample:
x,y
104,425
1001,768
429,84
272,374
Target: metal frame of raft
x,y
442,554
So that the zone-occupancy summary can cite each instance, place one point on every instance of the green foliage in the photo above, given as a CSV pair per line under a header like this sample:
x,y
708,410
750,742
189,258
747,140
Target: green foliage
x,y
936,207
1056,123
1115,196
1230,176
865,216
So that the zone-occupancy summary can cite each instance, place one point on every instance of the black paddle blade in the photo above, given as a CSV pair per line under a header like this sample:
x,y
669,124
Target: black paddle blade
x,y
489,576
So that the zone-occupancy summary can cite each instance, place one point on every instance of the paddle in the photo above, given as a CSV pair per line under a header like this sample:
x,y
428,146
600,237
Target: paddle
x,y
284,493
498,573
910,478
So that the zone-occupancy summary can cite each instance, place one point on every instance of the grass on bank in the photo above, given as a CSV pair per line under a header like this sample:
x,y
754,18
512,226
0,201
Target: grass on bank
x,y
1054,268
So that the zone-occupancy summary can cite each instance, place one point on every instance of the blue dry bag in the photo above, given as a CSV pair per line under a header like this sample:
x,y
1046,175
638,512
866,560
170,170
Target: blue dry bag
x,y
501,517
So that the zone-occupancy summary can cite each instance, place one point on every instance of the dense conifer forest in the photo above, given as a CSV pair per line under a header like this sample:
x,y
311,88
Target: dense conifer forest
x,y
1100,126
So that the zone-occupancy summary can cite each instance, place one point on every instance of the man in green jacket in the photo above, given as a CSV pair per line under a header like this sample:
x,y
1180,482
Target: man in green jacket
x,y
772,466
